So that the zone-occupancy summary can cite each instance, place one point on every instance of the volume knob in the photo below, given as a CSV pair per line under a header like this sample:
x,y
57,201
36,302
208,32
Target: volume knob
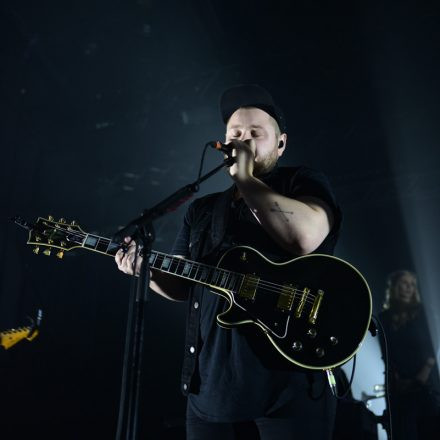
x,y
312,332
297,346
320,352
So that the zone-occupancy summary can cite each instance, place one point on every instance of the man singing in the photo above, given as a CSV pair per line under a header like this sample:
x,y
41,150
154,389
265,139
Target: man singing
x,y
283,212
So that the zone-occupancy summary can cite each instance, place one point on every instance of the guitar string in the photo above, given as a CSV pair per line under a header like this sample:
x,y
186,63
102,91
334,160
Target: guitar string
x,y
266,285
310,298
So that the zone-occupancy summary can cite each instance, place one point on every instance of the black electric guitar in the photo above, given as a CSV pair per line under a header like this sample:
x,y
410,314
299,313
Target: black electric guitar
x,y
314,309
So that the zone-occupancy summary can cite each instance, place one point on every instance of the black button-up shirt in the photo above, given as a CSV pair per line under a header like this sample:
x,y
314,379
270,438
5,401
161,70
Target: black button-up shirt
x,y
224,380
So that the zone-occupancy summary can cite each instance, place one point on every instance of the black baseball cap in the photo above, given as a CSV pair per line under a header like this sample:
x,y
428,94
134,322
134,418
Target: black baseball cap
x,y
250,95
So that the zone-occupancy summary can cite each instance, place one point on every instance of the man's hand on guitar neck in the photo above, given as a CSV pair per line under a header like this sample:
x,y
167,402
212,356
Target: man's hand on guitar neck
x,y
173,288
125,258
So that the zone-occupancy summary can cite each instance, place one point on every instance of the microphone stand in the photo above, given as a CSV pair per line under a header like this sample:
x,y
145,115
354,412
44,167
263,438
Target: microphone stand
x,y
141,230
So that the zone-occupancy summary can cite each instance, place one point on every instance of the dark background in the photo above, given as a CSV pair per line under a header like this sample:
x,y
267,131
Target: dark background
x,y
105,108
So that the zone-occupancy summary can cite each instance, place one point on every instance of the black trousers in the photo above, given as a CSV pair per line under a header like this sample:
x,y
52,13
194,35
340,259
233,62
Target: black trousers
x,y
313,420
415,416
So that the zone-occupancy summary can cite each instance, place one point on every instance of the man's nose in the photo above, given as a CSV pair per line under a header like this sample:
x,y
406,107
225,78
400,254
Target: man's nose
x,y
245,137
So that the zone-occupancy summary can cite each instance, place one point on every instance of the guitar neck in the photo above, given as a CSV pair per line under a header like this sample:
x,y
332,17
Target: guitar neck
x,y
177,266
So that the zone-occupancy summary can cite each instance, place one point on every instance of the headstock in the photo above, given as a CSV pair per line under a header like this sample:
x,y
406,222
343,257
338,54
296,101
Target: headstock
x,y
48,235
10,337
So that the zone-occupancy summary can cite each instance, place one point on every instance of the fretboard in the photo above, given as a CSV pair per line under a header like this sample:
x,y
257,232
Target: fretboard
x,y
181,267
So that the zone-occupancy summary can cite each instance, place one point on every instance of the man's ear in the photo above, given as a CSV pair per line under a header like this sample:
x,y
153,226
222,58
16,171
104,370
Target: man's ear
x,y
282,143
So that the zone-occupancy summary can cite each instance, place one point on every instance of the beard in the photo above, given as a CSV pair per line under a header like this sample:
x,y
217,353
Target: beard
x,y
266,164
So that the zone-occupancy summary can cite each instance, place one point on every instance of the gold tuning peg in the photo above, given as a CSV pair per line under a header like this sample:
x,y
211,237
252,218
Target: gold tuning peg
x,y
60,254
62,220
50,218
73,223
36,250
46,252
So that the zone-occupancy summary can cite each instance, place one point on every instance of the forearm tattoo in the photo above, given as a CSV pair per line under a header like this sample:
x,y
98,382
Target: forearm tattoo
x,y
278,209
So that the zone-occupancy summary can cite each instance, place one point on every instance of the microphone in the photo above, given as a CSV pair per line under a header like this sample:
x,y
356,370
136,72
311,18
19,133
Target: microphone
x,y
219,146
225,149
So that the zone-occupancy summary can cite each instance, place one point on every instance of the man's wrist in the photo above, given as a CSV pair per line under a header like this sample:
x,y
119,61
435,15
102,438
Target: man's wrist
x,y
244,182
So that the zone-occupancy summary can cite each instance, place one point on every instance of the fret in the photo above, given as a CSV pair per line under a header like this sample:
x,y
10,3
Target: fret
x,y
182,264
224,278
155,259
208,274
211,274
230,283
90,241
227,278
216,277
101,245
112,247
166,263
197,272
204,274
174,265
186,269
159,261
193,271
221,277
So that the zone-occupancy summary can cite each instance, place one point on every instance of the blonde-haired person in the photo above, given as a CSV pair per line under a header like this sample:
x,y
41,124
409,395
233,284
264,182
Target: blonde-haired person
x,y
414,380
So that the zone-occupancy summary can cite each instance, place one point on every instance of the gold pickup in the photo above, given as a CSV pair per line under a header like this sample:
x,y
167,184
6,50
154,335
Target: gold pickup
x,y
315,309
249,286
302,302
287,295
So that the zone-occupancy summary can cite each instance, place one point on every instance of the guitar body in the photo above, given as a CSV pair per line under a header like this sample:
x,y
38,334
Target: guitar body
x,y
343,315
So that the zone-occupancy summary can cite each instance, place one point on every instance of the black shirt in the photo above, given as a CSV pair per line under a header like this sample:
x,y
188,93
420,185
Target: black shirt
x,y
226,380
409,347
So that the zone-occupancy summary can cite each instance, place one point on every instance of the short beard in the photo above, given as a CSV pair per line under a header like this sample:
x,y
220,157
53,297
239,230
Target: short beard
x,y
266,165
